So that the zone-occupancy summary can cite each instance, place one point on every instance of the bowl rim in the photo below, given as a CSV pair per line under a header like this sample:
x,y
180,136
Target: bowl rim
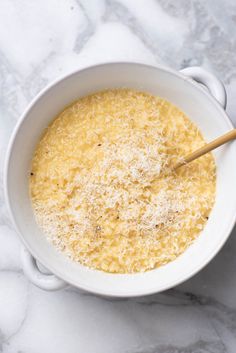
x,y
89,288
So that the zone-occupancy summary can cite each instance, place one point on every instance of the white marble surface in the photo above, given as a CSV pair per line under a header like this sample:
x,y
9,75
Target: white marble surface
x,y
42,40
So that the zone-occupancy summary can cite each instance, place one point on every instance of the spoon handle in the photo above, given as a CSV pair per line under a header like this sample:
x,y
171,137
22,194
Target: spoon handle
x,y
231,135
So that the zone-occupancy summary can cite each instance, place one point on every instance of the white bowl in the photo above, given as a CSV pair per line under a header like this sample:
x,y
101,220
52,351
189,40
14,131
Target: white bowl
x,y
204,107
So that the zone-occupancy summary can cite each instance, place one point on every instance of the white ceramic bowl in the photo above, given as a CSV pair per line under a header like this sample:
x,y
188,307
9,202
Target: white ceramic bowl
x,y
204,106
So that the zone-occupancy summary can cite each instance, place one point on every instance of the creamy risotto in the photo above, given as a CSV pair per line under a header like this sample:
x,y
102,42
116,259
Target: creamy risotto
x,y
101,185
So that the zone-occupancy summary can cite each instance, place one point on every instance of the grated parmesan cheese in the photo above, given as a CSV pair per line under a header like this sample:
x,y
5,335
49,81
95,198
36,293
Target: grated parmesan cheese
x,y
98,190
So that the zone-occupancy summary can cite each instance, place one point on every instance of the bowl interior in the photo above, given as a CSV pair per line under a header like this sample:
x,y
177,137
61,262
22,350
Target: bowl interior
x,y
188,96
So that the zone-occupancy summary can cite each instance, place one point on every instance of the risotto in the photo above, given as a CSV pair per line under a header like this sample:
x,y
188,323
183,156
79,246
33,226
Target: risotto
x,y
101,185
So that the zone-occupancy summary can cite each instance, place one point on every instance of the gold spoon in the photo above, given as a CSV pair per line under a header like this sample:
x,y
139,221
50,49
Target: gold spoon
x,y
231,135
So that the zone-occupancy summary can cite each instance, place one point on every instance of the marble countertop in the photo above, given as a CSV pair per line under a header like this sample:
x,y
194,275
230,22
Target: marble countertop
x,y
42,40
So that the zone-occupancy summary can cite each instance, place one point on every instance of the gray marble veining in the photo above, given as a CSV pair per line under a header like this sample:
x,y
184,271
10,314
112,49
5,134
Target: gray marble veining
x,y
40,41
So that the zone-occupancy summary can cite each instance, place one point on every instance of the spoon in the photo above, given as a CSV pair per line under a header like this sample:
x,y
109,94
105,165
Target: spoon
x,y
231,135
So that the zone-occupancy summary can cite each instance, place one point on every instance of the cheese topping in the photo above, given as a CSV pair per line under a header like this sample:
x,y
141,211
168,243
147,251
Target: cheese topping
x,y
100,185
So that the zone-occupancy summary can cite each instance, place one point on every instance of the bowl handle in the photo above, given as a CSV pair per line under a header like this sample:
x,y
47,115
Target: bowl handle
x,y
41,277
212,83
